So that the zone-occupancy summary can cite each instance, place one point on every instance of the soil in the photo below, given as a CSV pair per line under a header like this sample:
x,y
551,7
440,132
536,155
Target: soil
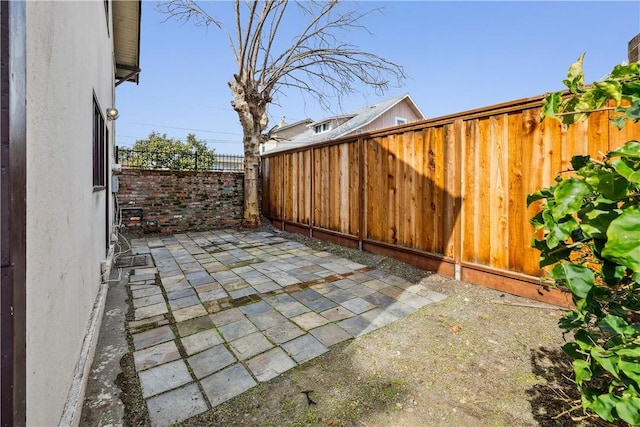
x,y
480,357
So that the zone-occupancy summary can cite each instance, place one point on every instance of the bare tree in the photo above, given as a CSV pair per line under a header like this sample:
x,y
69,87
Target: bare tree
x,y
314,61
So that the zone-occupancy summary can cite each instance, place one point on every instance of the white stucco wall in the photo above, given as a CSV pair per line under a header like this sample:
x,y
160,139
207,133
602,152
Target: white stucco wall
x,y
69,58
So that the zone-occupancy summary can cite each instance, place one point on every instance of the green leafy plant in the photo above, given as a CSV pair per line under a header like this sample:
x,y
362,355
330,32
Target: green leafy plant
x,y
590,222
158,151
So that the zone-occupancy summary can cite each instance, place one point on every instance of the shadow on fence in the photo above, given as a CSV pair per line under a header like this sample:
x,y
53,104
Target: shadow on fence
x,y
182,161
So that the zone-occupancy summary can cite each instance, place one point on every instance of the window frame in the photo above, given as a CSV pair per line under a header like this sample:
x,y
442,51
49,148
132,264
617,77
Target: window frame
x,y
401,121
322,127
99,147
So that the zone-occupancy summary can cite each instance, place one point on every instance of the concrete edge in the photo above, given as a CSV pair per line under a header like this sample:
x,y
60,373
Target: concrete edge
x,y
71,412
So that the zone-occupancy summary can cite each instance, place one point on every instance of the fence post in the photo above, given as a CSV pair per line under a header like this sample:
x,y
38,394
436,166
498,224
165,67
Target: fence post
x,y
117,154
196,159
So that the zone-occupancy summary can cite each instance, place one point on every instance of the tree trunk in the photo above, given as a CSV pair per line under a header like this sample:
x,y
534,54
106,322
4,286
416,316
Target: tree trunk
x,y
252,112
251,217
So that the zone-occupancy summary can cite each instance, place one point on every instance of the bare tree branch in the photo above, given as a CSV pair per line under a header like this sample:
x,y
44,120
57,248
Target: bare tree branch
x,y
314,60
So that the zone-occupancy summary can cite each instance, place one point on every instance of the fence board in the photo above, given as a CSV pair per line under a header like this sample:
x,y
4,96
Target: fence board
x,y
450,189
420,237
498,208
353,189
517,203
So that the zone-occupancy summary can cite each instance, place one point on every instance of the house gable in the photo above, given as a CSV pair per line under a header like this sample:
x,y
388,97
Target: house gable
x,y
372,117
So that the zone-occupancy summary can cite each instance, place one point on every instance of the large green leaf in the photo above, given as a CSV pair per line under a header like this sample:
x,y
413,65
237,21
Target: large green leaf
x,y
551,105
632,351
582,369
584,340
606,359
611,88
604,405
568,195
571,320
613,324
590,100
633,111
626,70
608,182
540,194
627,169
579,279
561,231
572,350
631,370
631,149
548,257
578,162
575,76
619,122
612,273
595,220
623,239
570,105
628,409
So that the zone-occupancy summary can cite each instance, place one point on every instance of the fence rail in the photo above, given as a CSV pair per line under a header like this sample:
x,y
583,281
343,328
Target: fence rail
x,y
447,194
168,160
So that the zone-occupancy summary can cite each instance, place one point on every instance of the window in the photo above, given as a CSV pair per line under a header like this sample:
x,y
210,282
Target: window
x,y
322,128
401,121
99,146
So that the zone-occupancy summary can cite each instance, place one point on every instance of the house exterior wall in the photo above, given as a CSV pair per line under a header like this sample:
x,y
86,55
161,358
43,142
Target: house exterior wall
x,y
291,131
282,137
69,59
388,119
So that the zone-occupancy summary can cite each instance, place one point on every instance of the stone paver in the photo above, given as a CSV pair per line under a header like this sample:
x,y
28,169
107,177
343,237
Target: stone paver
x,y
164,377
238,329
210,361
250,345
283,332
357,305
227,384
336,314
152,337
227,316
150,311
270,364
304,348
310,320
248,306
189,313
148,300
156,355
176,405
330,334
268,320
201,341
194,325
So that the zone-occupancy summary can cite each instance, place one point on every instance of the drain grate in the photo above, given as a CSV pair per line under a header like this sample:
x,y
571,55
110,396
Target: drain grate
x,y
131,261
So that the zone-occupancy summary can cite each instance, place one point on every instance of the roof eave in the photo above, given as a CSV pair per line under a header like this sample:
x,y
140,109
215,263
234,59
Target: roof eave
x,y
126,39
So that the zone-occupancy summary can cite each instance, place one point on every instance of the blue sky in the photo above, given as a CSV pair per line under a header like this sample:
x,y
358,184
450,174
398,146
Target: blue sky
x,y
458,55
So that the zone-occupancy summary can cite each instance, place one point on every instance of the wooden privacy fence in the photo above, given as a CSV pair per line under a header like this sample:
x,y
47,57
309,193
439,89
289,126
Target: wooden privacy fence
x,y
445,194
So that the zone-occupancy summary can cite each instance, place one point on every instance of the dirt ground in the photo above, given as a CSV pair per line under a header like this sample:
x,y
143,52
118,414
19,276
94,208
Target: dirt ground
x,y
478,358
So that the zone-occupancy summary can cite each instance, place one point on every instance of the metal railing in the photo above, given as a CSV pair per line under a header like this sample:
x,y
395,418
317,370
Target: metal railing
x,y
167,160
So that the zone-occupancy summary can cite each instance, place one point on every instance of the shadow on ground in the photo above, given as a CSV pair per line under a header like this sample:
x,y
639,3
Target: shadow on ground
x,y
551,402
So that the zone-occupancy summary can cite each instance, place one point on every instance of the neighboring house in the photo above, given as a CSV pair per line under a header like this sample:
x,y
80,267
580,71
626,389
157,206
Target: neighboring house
x,y
61,62
282,133
395,111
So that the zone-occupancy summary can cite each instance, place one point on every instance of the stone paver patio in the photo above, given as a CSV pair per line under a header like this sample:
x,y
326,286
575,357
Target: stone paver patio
x,y
247,306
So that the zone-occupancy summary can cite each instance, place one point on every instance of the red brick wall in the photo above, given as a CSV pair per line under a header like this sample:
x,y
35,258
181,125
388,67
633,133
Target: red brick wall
x,y
181,200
